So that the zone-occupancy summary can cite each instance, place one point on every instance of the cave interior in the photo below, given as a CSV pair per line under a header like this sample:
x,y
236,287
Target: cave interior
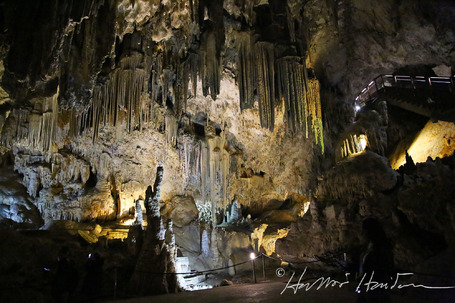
x,y
143,139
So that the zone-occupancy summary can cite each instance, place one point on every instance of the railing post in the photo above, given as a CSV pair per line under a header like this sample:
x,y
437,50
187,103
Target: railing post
x,y
452,85
263,267
383,83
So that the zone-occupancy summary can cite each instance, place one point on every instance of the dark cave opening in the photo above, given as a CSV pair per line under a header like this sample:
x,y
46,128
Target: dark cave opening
x,y
92,180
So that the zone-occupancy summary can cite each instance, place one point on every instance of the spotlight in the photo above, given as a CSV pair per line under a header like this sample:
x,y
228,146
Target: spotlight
x,y
252,257
357,108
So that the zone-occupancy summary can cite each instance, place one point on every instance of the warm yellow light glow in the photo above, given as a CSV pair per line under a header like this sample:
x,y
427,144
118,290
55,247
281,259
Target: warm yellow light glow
x,y
434,140
127,222
267,241
363,142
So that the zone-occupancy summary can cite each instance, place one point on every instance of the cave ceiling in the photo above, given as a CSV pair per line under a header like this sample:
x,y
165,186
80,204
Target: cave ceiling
x,y
248,105
224,127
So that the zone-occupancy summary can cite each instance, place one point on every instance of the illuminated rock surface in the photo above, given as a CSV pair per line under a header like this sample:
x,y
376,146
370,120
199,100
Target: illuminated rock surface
x,y
248,106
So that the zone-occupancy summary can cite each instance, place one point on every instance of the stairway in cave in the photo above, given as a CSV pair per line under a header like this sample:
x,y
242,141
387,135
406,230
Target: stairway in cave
x,y
189,281
432,97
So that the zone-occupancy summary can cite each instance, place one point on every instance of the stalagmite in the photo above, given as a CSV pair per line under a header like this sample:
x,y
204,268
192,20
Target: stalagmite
x,y
155,265
138,220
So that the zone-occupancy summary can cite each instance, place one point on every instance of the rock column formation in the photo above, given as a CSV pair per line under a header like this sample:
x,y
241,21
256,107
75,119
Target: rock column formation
x,y
155,271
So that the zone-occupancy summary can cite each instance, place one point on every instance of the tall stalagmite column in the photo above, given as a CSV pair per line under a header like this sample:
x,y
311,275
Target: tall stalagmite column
x,y
154,272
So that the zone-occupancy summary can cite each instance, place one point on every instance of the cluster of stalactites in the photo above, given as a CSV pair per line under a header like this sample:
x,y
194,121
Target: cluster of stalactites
x,y
127,98
169,81
301,98
292,89
257,73
119,100
285,78
39,133
206,164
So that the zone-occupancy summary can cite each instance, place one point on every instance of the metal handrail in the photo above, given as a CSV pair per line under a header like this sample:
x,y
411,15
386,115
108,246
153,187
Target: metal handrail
x,y
383,81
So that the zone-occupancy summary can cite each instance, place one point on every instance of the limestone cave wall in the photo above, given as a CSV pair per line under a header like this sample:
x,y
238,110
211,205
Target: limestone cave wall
x,y
249,106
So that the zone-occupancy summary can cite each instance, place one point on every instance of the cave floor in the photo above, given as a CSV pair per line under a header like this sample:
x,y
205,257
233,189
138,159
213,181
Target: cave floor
x,y
271,292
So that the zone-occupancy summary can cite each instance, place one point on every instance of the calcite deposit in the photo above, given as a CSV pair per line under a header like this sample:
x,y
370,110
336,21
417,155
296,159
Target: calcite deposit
x,y
243,114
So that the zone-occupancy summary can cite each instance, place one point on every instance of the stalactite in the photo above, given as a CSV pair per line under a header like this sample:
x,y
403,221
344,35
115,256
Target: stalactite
x,y
155,83
246,71
210,67
75,123
194,5
171,128
206,165
265,71
180,87
291,87
193,62
120,98
16,122
3,119
167,91
169,80
291,24
42,125
190,159
248,10
313,98
301,97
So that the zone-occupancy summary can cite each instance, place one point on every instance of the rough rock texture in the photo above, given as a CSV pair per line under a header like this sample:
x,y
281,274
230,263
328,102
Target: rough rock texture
x,y
370,173
245,103
373,38
155,265
182,210
98,96
416,216
435,140
15,203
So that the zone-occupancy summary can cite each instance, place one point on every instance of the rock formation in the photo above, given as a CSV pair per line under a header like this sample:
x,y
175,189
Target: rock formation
x,y
248,108
155,271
